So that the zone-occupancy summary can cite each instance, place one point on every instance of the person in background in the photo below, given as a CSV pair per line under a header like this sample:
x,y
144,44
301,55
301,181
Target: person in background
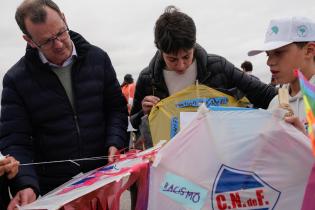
x,y
60,101
289,45
247,67
9,167
128,89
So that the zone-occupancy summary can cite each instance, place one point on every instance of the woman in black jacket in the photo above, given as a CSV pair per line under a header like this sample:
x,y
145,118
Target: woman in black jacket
x,y
180,61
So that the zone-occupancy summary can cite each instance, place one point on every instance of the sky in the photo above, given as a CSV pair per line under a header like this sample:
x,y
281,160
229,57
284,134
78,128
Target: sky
x,y
124,28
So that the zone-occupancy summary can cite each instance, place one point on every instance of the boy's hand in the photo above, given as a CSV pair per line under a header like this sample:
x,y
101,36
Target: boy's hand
x,y
295,121
9,166
12,168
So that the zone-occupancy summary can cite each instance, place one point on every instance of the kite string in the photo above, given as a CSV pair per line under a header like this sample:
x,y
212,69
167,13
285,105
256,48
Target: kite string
x,y
68,160
74,161
198,94
197,89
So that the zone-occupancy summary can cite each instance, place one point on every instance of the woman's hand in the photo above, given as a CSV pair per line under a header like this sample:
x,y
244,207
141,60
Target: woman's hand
x,y
9,166
148,102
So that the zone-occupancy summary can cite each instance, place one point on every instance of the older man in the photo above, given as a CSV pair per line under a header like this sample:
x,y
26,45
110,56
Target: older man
x,y
60,101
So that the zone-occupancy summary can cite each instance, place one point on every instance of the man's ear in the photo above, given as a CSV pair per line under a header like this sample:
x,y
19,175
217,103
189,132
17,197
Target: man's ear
x,y
29,41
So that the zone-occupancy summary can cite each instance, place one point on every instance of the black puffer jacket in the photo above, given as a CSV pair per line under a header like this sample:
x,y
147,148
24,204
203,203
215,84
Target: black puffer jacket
x,y
38,122
212,70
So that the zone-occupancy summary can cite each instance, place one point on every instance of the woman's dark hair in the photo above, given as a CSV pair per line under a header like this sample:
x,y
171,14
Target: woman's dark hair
x,y
174,31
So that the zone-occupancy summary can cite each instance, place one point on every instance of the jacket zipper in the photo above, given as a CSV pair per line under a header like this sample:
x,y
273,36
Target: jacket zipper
x,y
75,116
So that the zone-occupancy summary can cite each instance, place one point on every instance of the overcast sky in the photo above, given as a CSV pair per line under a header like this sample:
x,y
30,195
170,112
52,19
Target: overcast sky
x,y
124,28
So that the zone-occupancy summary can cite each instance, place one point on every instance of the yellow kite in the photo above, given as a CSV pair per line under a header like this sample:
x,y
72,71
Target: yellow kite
x,y
164,116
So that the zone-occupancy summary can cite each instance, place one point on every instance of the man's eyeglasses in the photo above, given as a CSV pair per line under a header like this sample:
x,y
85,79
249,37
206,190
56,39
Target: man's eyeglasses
x,y
61,36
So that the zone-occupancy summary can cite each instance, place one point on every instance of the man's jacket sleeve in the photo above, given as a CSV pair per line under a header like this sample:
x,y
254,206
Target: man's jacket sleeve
x,y
15,136
115,108
136,110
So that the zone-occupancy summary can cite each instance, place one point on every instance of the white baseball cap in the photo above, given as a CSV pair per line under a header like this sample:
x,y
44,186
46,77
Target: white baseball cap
x,y
285,31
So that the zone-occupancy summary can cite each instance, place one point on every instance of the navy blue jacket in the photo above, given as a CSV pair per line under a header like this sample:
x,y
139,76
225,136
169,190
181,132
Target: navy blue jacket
x,y
39,124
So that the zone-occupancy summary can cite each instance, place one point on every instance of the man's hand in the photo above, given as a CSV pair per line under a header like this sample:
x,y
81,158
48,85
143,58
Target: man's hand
x,y
295,121
9,166
22,198
148,102
112,154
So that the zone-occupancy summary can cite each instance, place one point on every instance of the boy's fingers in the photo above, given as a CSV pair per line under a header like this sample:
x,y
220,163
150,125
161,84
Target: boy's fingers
x,y
5,161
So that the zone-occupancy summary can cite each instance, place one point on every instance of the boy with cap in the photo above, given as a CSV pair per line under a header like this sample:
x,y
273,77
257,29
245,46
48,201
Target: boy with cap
x,y
290,44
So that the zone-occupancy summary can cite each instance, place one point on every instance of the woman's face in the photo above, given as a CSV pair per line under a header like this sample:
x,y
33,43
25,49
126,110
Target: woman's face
x,y
179,62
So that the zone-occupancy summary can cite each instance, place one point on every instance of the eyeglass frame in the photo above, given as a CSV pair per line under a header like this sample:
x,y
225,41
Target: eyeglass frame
x,y
51,39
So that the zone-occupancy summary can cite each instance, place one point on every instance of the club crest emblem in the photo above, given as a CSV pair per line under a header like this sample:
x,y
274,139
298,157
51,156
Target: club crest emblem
x,y
302,31
238,189
275,29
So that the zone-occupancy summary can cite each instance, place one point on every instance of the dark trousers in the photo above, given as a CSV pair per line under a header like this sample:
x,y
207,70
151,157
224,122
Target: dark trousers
x,y
4,194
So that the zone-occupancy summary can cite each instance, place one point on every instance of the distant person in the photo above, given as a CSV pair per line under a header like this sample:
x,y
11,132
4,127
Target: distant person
x,y
128,89
180,61
247,67
8,169
290,44
61,101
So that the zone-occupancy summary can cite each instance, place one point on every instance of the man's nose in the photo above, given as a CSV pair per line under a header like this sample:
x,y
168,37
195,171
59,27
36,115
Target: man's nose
x,y
57,42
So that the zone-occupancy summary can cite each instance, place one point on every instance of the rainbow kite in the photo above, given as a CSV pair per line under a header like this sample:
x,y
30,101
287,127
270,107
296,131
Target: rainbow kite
x,y
308,91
